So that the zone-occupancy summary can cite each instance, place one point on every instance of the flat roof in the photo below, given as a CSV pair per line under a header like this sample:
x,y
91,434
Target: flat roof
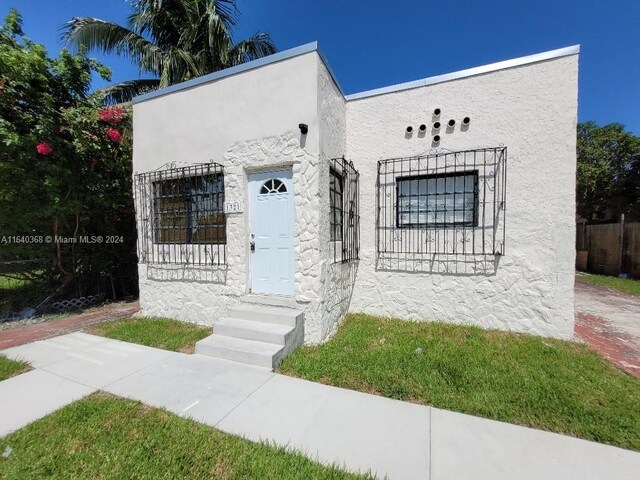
x,y
469,72
243,67
313,47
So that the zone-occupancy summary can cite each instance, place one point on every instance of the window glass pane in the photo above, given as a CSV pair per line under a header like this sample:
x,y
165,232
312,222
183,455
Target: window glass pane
x,y
207,218
190,210
442,200
336,204
273,186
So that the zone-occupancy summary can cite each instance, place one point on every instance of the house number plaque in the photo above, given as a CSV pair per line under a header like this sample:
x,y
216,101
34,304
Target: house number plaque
x,y
233,207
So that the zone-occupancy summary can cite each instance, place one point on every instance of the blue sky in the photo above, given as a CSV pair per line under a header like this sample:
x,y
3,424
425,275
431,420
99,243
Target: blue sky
x,y
377,43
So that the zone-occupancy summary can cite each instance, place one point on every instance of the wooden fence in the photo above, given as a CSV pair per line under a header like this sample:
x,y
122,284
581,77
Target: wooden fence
x,y
609,249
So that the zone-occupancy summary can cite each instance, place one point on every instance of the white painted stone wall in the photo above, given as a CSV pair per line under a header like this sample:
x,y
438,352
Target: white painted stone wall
x,y
337,279
249,122
239,122
530,109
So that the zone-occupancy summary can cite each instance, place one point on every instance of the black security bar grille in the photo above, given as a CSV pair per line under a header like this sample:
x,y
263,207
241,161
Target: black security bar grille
x,y
448,203
344,194
181,217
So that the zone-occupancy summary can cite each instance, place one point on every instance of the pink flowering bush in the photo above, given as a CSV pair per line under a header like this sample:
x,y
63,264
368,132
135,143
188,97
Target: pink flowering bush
x,y
44,148
114,135
111,115
65,168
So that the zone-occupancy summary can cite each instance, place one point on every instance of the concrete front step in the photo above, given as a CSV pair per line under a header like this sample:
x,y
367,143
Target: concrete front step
x,y
251,330
271,300
268,314
255,334
262,354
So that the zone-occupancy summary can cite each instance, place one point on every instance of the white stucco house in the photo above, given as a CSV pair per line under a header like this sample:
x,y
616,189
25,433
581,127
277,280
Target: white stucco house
x,y
269,204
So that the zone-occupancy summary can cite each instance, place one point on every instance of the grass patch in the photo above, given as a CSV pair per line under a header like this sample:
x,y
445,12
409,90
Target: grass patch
x,y
105,437
543,383
7,283
626,285
10,368
154,332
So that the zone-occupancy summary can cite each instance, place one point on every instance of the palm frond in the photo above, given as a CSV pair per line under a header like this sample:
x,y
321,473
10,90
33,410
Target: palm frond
x,y
166,20
258,46
174,39
178,65
157,19
125,91
107,37
220,17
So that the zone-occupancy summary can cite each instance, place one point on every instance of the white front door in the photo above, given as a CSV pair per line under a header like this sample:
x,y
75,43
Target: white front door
x,y
271,232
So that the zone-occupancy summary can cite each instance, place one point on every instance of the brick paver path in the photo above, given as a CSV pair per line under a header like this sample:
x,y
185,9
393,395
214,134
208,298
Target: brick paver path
x,y
39,331
609,322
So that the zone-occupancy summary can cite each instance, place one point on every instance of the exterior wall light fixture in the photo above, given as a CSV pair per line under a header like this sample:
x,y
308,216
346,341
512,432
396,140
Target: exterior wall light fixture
x,y
304,128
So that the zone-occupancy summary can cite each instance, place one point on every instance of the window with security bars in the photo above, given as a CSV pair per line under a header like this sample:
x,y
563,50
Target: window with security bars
x,y
335,199
440,200
447,203
181,215
344,192
190,210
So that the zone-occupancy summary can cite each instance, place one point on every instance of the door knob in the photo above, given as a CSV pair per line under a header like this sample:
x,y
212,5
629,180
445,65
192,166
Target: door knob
x,y
252,244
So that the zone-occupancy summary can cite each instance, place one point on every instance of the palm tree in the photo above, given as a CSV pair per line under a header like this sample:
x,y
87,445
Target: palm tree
x,y
174,40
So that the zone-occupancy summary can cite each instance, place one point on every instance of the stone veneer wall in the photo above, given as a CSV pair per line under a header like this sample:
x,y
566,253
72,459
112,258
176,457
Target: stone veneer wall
x,y
203,294
337,279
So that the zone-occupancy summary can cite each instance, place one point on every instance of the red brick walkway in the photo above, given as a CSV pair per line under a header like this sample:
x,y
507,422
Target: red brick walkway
x,y
609,322
39,331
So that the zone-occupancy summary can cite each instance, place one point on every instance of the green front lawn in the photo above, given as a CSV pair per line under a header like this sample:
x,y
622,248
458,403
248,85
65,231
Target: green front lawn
x,y
154,332
104,437
539,382
626,285
9,368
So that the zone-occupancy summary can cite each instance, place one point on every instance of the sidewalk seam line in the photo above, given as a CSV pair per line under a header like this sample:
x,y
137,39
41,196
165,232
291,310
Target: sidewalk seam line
x,y
104,386
137,371
95,389
244,400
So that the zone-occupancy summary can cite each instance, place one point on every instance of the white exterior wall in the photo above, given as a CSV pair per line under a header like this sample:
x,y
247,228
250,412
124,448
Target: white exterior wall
x,y
530,109
246,122
249,122
200,124
337,279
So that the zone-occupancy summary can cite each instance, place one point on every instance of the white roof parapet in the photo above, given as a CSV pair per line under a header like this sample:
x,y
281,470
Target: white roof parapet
x,y
227,72
313,47
470,72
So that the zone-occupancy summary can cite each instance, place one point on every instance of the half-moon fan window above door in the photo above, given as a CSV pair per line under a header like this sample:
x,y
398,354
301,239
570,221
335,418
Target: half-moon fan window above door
x,y
273,186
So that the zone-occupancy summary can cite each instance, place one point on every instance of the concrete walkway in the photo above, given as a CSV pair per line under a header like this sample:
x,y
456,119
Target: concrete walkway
x,y
609,322
361,432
